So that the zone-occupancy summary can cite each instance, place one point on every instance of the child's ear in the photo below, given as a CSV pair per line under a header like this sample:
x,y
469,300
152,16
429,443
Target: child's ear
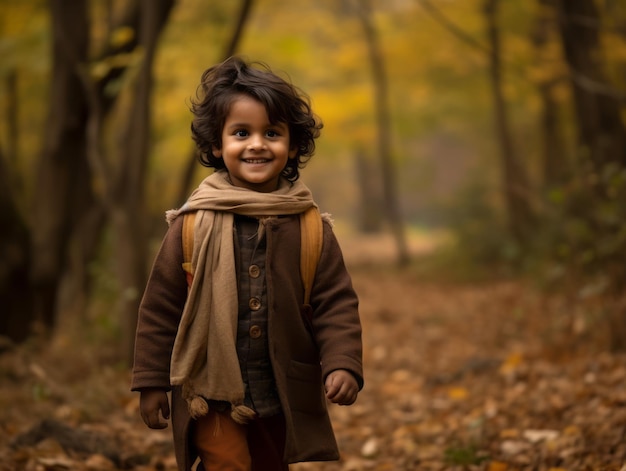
x,y
293,152
217,153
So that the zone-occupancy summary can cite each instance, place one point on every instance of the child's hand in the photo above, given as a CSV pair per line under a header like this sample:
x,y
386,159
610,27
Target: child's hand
x,y
341,387
151,402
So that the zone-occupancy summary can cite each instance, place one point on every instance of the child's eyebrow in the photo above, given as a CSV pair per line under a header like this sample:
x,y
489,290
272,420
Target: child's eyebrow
x,y
237,125
243,124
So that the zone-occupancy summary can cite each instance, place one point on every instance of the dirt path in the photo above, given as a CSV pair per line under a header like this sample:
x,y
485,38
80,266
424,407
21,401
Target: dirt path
x,y
458,376
477,377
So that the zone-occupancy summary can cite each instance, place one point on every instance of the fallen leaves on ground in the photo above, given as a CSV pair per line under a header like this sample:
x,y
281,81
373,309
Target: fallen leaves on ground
x,y
493,376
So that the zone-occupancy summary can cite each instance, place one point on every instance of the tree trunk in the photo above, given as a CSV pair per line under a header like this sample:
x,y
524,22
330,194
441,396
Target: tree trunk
x,y
515,180
128,215
370,211
601,150
88,230
15,289
601,133
12,116
555,164
63,176
383,123
129,18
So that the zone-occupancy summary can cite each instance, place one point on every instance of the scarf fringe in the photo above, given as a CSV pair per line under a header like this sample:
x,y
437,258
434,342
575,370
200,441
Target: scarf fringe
x,y
242,414
198,406
172,214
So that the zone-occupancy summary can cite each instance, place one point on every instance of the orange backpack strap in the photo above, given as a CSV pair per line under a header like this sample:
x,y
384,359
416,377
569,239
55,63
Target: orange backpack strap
x,y
188,235
311,235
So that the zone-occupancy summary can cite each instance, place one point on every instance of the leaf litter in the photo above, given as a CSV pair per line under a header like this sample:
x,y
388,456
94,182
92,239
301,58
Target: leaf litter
x,y
493,376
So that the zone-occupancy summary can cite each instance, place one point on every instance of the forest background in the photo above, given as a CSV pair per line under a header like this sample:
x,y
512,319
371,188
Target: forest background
x,y
490,132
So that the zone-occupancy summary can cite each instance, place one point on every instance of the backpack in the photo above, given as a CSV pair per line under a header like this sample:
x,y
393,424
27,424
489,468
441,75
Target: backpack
x,y
311,237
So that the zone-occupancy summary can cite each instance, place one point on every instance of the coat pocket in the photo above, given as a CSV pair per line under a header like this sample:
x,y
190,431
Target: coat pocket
x,y
305,389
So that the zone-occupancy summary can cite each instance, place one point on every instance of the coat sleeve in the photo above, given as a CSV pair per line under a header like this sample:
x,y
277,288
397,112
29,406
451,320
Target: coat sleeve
x,y
336,321
159,314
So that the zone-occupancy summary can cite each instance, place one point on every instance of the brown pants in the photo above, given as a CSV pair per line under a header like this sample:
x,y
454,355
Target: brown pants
x,y
223,444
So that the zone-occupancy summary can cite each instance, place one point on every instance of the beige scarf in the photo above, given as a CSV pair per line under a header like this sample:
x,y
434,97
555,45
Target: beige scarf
x,y
204,359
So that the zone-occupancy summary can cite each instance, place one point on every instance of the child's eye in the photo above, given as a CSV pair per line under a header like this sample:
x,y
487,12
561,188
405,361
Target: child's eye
x,y
240,133
272,133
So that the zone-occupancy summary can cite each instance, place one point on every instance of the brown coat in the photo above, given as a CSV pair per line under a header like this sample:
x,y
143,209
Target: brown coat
x,y
300,361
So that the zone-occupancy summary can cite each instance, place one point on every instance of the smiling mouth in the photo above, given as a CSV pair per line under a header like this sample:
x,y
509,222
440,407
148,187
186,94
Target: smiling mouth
x,y
256,161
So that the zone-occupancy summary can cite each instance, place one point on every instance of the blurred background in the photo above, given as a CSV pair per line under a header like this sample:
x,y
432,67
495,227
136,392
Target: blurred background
x,y
490,132
473,157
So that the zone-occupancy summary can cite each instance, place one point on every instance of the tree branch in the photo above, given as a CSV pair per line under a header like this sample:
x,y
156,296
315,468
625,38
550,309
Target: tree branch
x,y
451,27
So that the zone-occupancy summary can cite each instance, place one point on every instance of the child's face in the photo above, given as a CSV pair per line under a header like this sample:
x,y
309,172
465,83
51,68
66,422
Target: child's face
x,y
254,150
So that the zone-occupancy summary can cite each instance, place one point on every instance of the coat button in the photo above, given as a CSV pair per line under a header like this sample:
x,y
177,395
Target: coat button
x,y
254,271
254,303
255,332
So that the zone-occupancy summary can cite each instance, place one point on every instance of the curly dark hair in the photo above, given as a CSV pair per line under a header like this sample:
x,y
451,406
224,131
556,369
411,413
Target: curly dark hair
x,y
219,87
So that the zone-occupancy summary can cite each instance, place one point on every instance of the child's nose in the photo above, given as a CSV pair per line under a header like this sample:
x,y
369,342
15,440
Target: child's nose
x,y
256,143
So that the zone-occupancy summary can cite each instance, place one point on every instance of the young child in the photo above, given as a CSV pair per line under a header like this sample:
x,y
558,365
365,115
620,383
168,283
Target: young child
x,y
249,372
